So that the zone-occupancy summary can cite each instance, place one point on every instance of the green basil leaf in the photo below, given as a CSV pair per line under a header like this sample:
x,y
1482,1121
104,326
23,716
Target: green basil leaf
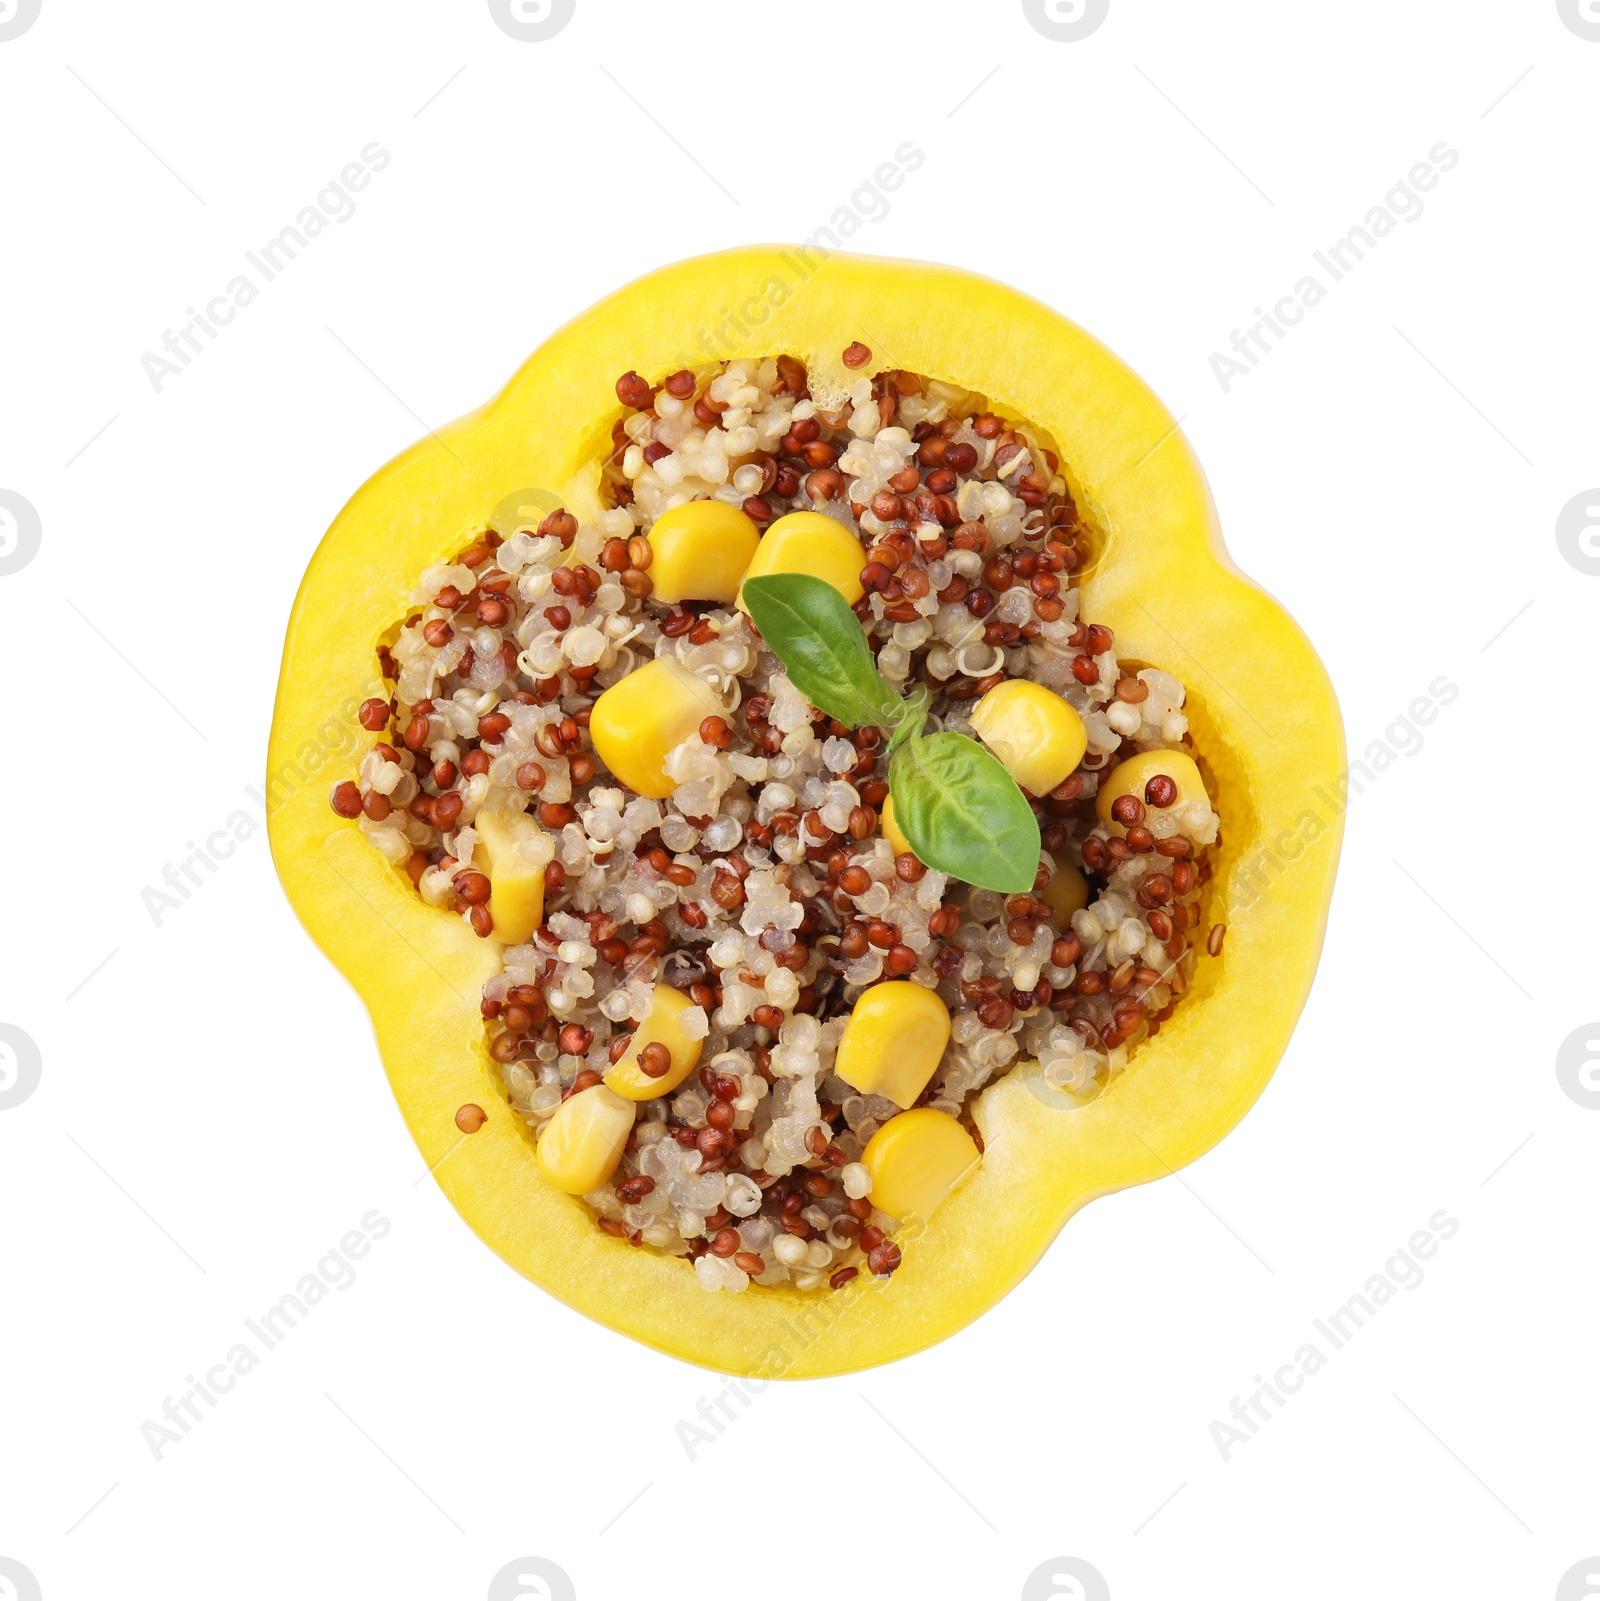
x,y
963,813
913,714
809,626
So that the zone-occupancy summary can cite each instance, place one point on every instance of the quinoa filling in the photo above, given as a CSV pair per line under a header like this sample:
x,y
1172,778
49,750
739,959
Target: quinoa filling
x,y
764,888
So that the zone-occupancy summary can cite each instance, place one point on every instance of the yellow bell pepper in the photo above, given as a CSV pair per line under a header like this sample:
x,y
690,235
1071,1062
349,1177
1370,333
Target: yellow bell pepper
x,y
1269,740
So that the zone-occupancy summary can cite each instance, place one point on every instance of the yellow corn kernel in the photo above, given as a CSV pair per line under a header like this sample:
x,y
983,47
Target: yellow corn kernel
x,y
891,829
1067,892
1131,776
808,542
894,1041
700,550
582,1144
917,1160
641,717
1036,734
516,885
661,1026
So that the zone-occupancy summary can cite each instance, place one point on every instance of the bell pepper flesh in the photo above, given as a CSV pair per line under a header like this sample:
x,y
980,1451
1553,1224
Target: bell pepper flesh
x,y
1160,575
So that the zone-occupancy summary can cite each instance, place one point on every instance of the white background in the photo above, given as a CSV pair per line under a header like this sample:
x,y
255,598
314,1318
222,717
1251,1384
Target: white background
x,y
212,1116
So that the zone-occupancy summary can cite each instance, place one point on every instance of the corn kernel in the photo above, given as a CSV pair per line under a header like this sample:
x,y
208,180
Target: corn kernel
x,y
582,1144
1131,776
641,717
661,1026
1067,892
917,1160
809,542
894,1041
1036,734
891,829
516,885
700,550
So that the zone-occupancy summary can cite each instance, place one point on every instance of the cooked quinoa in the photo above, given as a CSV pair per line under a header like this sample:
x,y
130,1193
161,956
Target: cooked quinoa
x,y
763,887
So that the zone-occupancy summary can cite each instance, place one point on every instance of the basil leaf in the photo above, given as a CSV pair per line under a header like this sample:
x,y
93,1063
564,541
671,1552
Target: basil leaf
x,y
963,813
913,714
809,626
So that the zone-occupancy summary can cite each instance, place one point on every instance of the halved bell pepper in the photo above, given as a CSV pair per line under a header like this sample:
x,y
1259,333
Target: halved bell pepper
x,y
1261,710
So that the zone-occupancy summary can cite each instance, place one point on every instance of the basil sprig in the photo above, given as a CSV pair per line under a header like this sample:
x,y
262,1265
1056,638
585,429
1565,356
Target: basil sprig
x,y
955,803
810,628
